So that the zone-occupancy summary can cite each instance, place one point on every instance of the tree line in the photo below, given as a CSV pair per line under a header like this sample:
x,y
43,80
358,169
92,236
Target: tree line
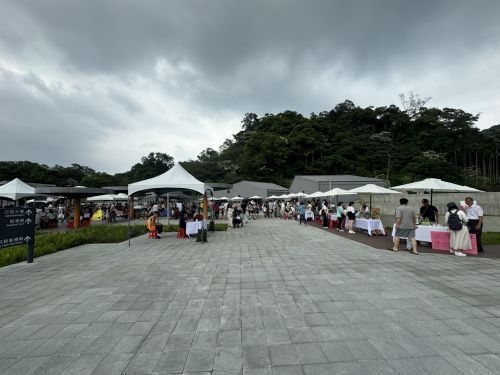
x,y
398,144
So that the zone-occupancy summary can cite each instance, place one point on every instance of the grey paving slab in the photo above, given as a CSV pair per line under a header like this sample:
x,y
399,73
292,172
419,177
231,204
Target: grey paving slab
x,y
272,297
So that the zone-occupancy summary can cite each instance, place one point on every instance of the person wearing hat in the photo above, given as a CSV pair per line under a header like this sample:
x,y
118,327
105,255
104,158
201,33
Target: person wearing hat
x,y
459,239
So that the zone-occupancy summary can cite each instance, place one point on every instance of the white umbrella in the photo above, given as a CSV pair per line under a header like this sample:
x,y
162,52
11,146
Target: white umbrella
x,y
273,197
255,197
298,195
223,199
336,191
436,185
372,189
236,198
317,194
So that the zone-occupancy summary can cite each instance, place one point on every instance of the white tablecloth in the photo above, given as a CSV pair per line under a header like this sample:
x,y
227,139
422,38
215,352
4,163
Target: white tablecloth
x,y
423,232
193,226
369,225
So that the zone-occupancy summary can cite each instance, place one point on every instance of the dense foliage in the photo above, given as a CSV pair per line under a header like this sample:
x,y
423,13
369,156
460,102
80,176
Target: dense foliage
x,y
398,144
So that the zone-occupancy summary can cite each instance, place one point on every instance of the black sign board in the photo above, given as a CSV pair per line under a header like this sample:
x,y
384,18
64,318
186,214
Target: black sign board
x,y
17,226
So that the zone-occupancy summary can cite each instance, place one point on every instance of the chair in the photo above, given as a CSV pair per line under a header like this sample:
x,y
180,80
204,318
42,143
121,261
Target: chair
x,y
153,234
181,233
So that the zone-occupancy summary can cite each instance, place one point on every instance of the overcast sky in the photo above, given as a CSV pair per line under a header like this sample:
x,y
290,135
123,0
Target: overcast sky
x,y
103,83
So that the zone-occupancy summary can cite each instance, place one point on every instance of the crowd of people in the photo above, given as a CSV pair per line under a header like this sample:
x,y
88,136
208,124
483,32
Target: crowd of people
x,y
469,216
462,220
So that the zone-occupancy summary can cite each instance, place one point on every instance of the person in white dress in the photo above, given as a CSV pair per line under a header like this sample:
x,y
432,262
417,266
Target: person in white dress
x,y
459,239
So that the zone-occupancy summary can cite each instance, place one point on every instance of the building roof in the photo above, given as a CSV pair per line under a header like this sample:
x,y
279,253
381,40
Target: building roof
x,y
338,178
265,185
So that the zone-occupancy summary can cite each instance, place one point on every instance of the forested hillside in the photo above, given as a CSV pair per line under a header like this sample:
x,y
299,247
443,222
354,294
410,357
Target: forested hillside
x,y
398,144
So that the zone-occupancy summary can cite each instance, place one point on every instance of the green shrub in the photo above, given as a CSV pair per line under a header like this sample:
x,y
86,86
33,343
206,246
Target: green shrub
x,y
51,242
490,238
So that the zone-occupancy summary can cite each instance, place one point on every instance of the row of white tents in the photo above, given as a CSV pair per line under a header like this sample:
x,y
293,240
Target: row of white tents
x,y
178,179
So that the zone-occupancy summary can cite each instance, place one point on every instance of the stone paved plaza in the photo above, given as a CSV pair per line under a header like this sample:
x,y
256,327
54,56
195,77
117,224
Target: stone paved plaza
x,y
272,297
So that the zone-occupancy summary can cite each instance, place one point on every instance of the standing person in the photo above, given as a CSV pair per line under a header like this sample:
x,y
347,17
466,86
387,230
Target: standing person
x,y
340,216
351,216
428,211
324,214
230,215
302,214
475,224
459,237
405,225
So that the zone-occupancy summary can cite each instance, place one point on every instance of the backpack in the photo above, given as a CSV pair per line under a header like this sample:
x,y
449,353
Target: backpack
x,y
454,221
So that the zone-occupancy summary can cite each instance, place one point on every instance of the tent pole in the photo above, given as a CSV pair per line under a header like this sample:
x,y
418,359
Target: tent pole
x,y
130,212
371,206
431,197
168,208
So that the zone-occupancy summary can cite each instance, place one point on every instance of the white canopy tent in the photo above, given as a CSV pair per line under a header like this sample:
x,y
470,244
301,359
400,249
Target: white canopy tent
x,y
16,189
273,197
108,198
175,179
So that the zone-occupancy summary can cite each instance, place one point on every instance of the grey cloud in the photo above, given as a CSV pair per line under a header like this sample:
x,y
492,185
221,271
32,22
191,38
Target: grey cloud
x,y
121,64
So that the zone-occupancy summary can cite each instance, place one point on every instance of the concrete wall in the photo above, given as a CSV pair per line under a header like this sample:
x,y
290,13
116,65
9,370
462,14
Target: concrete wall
x,y
301,184
490,202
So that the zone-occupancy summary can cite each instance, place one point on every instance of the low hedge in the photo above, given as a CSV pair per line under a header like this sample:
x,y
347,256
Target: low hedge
x,y
51,242
219,227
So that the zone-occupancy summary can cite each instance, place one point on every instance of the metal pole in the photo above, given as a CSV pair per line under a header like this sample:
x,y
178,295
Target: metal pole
x,y
130,212
168,209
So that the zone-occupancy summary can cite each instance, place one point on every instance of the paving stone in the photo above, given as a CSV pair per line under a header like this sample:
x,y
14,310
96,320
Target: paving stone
x,y
113,363
170,362
255,356
228,357
200,360
245,298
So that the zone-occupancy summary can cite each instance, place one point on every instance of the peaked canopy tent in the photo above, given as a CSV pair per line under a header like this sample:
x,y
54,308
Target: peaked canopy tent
x,y
436,185
174,180
16,189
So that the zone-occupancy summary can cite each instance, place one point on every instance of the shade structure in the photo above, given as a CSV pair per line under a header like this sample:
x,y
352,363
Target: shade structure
x,y
223,199
255,197
298,195
16,189
317,194
433,185
108,198
273,197
236,198
175,179
372,189
336,191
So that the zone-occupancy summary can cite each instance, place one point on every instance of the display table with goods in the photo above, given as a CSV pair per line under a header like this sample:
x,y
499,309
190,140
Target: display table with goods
x,y
370,225
438,236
